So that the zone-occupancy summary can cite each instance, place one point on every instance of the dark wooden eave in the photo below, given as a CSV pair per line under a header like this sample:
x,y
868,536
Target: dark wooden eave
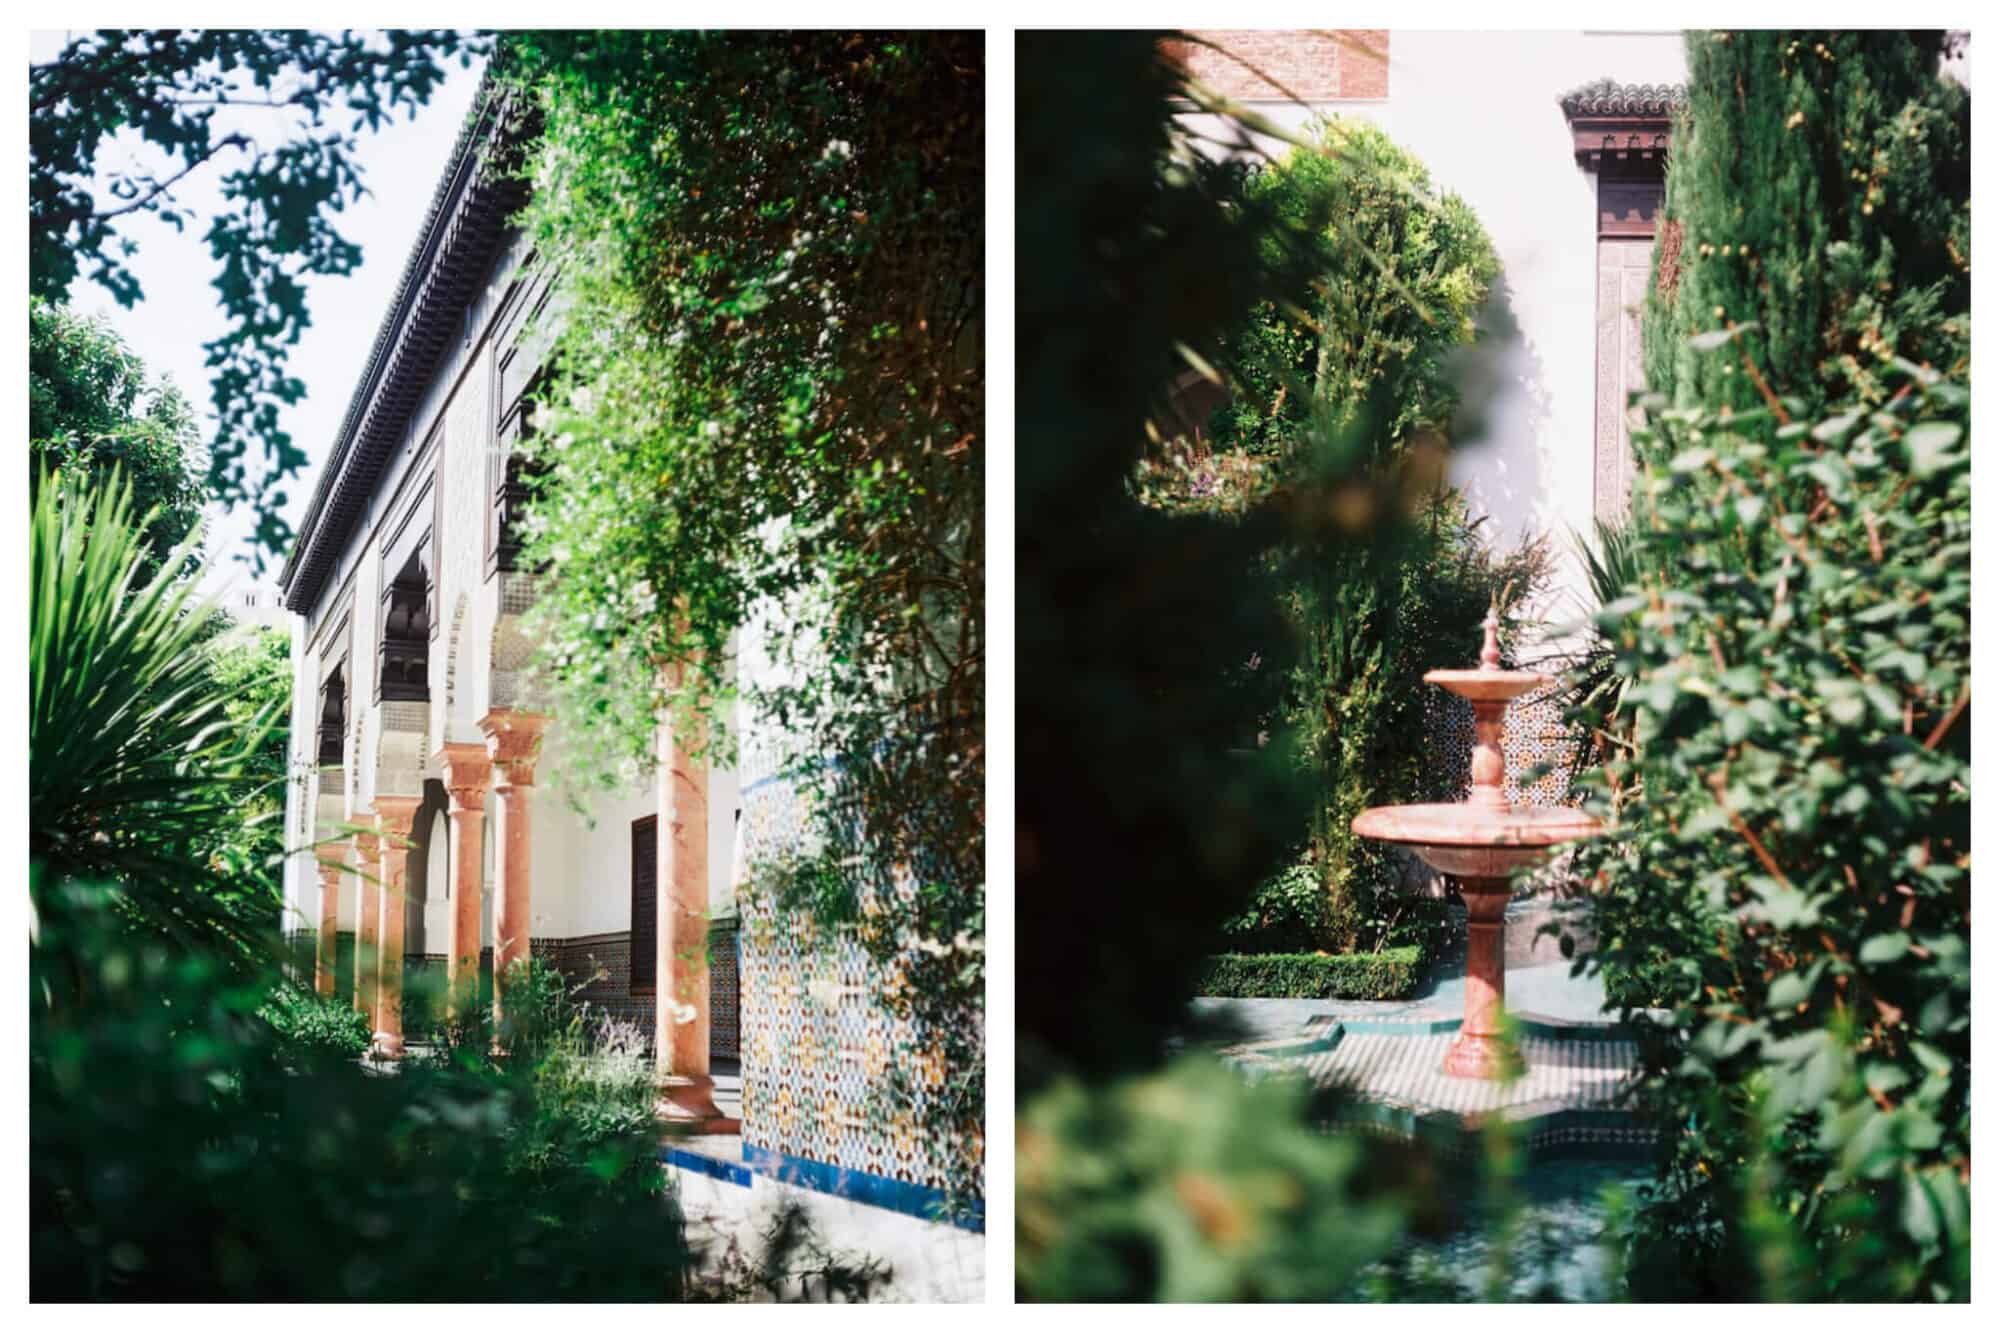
x,y
455,250
1616,125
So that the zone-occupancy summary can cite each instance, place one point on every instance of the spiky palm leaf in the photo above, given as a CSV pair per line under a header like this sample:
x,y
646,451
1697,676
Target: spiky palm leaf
x,y
1593,690
132,762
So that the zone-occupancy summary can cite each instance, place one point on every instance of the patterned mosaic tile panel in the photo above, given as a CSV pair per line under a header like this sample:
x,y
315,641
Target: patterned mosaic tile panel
x,y
1535,735
817,1046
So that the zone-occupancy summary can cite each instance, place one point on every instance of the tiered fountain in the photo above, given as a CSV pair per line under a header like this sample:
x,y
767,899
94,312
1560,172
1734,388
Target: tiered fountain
x,y
1481,840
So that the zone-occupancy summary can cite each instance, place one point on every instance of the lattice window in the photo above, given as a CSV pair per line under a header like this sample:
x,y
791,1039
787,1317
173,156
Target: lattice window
x,y
406,630
332,717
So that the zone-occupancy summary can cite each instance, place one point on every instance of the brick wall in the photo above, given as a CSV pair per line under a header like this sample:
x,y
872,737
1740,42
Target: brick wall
x,y
1352,65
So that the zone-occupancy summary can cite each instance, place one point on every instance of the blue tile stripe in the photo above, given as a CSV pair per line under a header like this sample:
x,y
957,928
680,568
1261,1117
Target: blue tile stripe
x,y
731,1173
899,1196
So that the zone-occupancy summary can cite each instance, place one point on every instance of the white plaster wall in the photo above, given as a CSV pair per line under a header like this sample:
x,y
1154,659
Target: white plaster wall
x,y
437,885
1528,464
457,660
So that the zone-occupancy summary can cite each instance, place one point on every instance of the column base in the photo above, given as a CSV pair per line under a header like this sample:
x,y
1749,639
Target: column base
x,y
1483,1056
687,1106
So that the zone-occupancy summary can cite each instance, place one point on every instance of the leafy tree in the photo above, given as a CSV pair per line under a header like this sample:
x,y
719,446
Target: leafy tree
x,y
1786,876
1819,189
250,668
277,226
1403,270
92,407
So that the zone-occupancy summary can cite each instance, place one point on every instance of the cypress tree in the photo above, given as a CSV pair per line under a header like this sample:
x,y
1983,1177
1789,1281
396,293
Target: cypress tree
x,y
1818,187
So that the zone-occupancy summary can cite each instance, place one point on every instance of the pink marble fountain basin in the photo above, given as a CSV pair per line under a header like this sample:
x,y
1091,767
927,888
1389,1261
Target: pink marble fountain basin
x,y
1474,841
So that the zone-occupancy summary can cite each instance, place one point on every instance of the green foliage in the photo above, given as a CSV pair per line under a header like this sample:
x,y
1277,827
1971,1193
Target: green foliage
x,y
319,90
1789,867
1373,619
1388,975
183,1147
1819,190
1790,876
135,763
1188,1184
1150,804
1404,269
250,670
92,407
316,1027
774,415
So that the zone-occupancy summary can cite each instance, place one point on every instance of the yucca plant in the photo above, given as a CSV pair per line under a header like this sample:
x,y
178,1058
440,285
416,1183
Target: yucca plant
x,y
132,763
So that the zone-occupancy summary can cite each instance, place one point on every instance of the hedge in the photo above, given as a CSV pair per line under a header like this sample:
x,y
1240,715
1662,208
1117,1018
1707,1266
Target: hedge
x,y
1388,975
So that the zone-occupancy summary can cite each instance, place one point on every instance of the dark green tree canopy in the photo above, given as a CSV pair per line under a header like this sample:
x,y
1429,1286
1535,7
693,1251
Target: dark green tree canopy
x,y
92,405
281,187
1819,189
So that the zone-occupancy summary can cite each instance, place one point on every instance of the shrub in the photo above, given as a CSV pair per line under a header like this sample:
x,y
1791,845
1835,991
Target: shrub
x,y
1789,865
315,1027
180,1150
1788,874
1187,1184
1389,975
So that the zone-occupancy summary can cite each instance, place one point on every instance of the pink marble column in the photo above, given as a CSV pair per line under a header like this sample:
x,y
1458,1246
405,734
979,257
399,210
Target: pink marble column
x,y
681,1022
395,815
513,739
333,864
367,867
467,770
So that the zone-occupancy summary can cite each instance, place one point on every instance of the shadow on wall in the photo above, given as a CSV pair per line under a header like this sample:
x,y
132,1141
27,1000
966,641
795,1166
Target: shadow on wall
x,y
1505,411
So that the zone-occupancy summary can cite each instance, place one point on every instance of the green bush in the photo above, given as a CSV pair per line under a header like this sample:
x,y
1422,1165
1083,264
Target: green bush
x,y
1788,871
181,1149
1187,1184
315,1026
1389,975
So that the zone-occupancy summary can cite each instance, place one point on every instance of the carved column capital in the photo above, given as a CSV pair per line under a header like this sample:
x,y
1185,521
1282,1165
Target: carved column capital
x,y
513,739
468,771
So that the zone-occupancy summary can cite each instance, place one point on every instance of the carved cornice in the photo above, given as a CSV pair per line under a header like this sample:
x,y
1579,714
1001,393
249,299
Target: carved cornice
x,y
1617,125
455,248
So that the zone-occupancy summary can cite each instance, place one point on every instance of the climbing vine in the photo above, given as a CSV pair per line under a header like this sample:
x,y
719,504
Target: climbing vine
x,y
763,437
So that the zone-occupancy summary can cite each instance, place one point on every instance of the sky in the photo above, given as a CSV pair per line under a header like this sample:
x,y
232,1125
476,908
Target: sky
x,y
400,167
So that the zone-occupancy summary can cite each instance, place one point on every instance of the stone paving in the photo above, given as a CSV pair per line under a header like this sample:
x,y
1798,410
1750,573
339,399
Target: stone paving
x,y
1389,1054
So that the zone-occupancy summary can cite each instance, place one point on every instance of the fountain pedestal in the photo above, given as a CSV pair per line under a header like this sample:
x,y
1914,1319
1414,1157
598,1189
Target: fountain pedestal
x,y
1481,1050
1481,841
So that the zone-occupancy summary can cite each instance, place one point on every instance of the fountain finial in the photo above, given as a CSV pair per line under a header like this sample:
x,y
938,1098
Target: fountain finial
x,y
1489,654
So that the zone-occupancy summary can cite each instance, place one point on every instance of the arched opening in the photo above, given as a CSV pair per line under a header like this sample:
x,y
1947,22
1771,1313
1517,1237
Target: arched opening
x,y
426,866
